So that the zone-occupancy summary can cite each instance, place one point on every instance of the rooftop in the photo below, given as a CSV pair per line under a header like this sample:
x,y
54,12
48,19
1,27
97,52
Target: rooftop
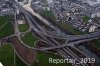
x,y
92,2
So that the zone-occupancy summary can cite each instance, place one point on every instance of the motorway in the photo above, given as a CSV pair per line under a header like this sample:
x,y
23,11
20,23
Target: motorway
x,y
63,51
49,37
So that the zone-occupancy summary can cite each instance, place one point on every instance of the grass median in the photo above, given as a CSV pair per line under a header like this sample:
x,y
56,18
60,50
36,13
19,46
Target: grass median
x,y
29,39
23,27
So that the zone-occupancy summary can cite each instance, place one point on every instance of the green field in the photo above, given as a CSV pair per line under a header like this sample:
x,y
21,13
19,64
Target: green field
x,y
49,14
19,62
23,27
29,39
7,29
3,20
85,18
7,55
44,59
96,43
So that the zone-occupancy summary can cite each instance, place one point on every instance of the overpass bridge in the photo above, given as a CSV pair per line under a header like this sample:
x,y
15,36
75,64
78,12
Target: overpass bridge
x,y
62,49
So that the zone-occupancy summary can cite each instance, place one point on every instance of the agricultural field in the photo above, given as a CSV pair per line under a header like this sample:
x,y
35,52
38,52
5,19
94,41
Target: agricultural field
x,y
6,27
7,55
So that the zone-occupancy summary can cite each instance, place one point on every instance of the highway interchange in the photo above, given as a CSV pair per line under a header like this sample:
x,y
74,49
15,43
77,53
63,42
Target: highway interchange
x,y
49,35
